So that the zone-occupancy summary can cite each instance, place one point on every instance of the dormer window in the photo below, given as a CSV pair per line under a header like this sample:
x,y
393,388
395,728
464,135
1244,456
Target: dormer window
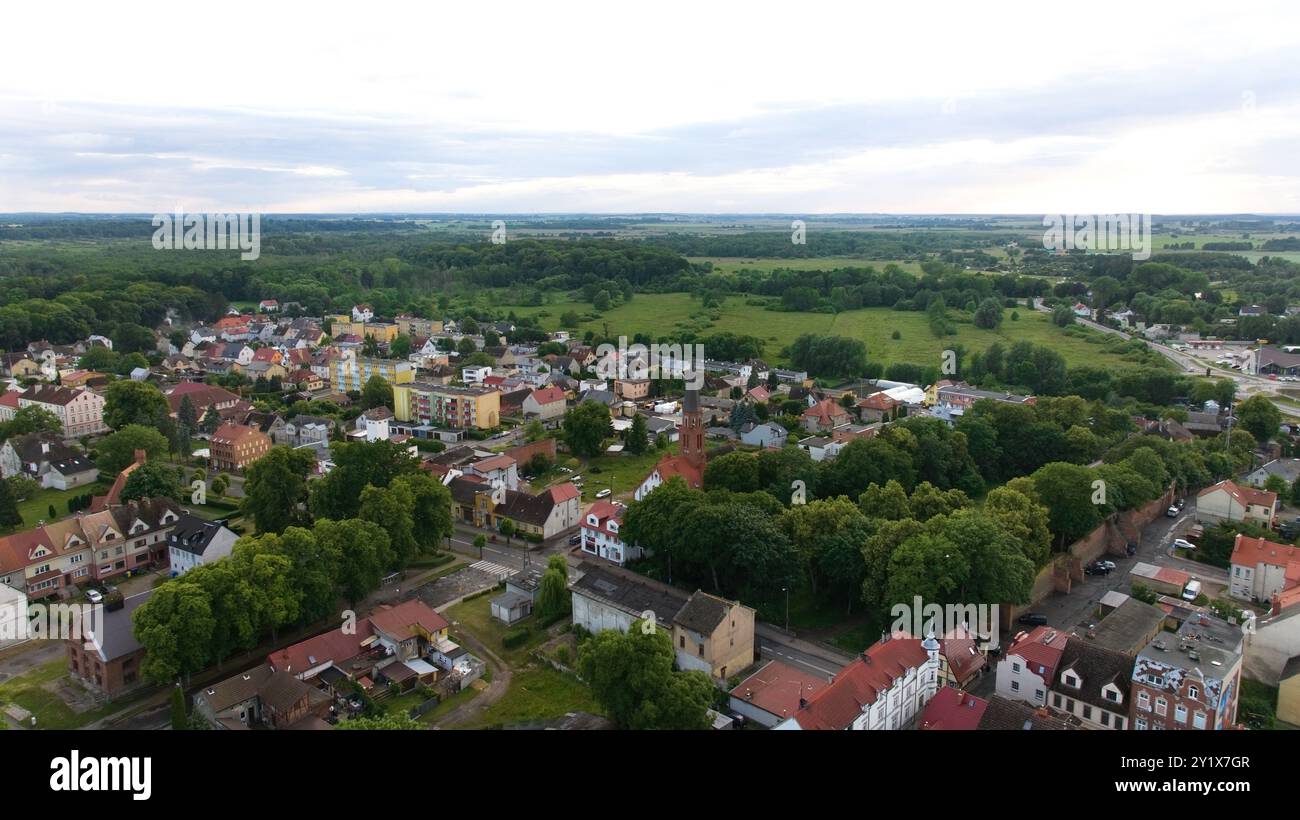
x,y
1070,679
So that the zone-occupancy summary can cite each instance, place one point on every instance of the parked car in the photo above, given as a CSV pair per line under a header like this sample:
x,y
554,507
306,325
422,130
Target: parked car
x,y
1095,569
1110,565
603,493
1132,548
94,596
1172,512
1183,544
575,540
577,479
1032,619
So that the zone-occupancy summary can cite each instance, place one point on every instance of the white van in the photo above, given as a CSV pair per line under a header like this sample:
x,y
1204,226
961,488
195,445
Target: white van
x,y
1192,590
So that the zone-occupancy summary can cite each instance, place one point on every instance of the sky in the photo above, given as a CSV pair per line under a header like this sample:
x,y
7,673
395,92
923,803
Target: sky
x,y
567,107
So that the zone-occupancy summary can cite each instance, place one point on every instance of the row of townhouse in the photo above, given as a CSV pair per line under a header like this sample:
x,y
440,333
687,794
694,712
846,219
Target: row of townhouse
x,y
89,547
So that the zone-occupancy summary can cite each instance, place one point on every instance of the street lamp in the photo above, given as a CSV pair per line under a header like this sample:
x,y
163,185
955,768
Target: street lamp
x,y
786,590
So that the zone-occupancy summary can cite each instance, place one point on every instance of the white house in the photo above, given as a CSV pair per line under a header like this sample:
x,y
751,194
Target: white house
x,y
547,403
1028,669
475,375
764,435
501,468
883,688
362,313
600,533
195,541
820,448
1228,501
1261,569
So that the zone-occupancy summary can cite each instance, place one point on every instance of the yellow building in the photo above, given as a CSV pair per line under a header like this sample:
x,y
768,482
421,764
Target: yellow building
x,y
342,325
445,405
352,373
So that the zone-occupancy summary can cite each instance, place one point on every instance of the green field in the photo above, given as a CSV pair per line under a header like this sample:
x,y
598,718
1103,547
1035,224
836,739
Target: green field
x,y
664,314
37,508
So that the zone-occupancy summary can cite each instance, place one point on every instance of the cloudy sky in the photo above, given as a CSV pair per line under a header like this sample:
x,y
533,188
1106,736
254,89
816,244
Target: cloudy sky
x,y
797,107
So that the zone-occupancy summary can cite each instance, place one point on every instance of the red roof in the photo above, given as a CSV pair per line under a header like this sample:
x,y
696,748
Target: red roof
x,y
1246,496
9,399
408,620
878,401
563,492
333,646
1251,551
825,410
861,683
547,395
1040,648
604,510
952,709
679,466
201,396
777,688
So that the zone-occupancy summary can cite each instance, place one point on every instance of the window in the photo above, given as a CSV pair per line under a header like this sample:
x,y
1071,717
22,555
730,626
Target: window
x,y
1087,713
1144,701
1198,720
681,642
1162,706
1193,692
1105,718
1015,667
1056,700
1140,724
1112,695
1180,713
1015,686
1039,694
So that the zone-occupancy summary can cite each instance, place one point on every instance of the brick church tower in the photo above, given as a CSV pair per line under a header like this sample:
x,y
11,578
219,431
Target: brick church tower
x,y
692,432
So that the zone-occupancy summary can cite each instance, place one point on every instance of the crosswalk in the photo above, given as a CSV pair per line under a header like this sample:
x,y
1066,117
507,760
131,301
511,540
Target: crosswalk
x,y
499,570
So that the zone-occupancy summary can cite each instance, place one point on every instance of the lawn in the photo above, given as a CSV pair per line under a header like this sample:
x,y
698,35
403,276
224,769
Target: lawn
x,y
37,508
663,314
536,694
29,692
621,472
476,618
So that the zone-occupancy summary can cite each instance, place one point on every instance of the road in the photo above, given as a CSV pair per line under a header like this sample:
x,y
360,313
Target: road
x,y
776,644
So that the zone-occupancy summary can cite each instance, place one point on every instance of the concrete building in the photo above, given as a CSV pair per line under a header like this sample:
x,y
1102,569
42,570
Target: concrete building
x,y
195,541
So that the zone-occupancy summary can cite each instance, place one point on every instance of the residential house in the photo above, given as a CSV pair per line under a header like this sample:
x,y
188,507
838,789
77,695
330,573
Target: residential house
x,y
1092,684
194,542
1287,469
498,468
1028,669
234,446
1228,501
546,514
547,403
47,460
879,406
201,396
824,416
600,533
766,434
1262,571
820,448
80,411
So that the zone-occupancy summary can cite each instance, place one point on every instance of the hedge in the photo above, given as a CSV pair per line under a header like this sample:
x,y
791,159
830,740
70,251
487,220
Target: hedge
x,y
514,638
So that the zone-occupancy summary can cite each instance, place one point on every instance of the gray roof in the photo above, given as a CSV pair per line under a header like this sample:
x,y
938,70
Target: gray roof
x,y
193,534
627,593
702,613
1095,667
111,632
1129,627
236,688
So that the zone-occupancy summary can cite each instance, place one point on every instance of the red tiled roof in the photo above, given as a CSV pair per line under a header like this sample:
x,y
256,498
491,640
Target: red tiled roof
x,y
1246,496
878,401
1251,551
1042,647
9,399
777,688
825,410
563,492
952,709
401,621
332,646
860,683
679,466
548,395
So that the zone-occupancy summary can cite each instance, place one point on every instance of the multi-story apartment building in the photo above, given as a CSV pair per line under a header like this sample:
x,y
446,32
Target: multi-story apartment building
x,y
1029,667
444,405
1190,679
409,325
235,446
600,533
80,411
352,372
93,546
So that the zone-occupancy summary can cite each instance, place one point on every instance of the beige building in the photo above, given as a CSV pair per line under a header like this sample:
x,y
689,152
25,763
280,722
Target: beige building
x,y
80,411
1288,693
1228,501
714,635
445,405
